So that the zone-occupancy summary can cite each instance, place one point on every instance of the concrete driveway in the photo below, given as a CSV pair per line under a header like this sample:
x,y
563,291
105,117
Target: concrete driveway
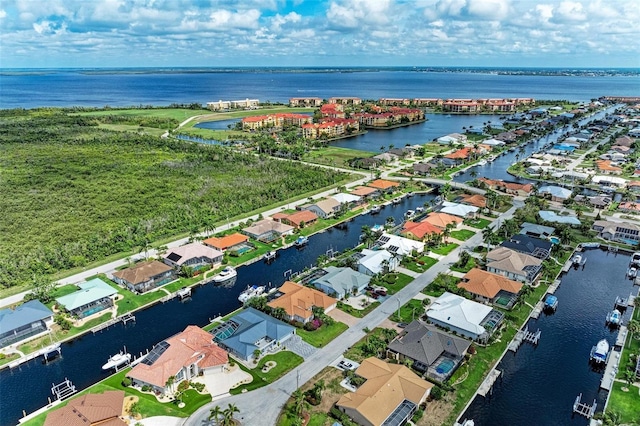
x,y
219,383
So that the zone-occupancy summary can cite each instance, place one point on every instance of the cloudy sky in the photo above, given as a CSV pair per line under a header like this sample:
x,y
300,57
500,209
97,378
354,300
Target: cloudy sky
x,y
136,33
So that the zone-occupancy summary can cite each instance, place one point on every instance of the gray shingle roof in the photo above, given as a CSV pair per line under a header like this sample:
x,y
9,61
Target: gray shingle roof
x,y
425,343
25,314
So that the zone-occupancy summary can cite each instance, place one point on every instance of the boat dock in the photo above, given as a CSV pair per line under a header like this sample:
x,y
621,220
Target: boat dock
x,y
44,352
583,409
537,310
621,304
487,384
553,287
184,293
622,336
63,390
123,318
524,336
610,370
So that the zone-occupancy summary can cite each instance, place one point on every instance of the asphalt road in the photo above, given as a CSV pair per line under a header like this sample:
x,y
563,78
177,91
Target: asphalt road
x,y
262,406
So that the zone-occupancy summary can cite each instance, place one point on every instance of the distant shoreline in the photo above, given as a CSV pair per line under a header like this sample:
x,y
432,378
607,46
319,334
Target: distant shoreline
x,y
525,71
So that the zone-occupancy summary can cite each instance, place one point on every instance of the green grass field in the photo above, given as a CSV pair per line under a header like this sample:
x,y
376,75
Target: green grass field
x,y
334,156
323,335
179,114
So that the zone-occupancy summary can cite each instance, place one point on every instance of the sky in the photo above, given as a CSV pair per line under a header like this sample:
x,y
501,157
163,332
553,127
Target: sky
x,y
336,33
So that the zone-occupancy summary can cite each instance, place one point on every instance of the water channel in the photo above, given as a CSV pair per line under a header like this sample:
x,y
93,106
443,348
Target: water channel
x,y
540,383
27,387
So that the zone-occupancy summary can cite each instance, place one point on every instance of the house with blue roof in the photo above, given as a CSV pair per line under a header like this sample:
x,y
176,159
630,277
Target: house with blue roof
x,y
25,321
249,330
339,282
94,296
557,193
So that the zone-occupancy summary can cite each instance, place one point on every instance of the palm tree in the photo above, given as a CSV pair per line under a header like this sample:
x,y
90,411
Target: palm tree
x,y
227,415
634,329
446,232
299,402
170,382
487,235
215,413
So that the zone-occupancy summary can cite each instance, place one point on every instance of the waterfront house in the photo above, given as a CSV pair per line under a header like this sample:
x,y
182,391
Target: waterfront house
x,y
458,157
452,138
267,230
617,231
305,102
298,219
227,242
514,265
431,351
92,409
537,231
194,255
493,142
375,262
529,245
399,246
629,206
556,193
145,276
386,157
441,220
465,317
93,296
341,282
490,288
24,321
252,330
298,301
324,208
365,192
348,200
390,395
511,188
420,231
384,186
460,210
182,356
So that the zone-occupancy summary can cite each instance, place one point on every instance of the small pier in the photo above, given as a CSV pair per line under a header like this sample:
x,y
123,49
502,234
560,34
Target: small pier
x,y
184,293
123,318
524,336
621,304
610,370
622,336
48,353
553,287
269,256
487,384
584,409
537,310
63,390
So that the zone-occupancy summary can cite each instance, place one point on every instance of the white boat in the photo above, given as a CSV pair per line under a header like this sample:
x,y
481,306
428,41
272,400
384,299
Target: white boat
x,y
117,360
226,274
632,272
419,209
481,163
396,200
270,255
250,292
377,228
375,210
410,213
576,259
600,352
614,317
635,259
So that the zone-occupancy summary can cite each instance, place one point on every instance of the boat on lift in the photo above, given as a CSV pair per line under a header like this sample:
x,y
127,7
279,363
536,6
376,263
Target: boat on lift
x,y
614,317
600,352
117,360
251,292
226,274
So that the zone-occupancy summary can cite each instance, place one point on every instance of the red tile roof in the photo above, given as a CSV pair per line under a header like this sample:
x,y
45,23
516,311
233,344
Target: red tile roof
x,y
223,243
420,229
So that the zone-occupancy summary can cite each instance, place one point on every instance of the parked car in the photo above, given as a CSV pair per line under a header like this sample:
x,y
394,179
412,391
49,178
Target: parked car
x,y
345,365
381,292
402,324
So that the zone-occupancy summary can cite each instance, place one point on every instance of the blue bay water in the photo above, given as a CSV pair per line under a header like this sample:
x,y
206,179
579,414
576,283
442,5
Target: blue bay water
x,y
64,88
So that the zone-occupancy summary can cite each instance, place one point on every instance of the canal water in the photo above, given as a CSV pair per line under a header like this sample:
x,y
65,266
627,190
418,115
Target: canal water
x,y
539,384
27,387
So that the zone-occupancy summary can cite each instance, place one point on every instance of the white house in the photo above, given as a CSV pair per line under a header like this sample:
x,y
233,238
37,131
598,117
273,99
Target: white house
x,y
457,209
374,262
452,138
348,199
493,142
399,245
463,316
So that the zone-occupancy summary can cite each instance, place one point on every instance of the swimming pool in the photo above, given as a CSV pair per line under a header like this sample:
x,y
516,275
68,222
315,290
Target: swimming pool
x,y
564,148
445,366
554,240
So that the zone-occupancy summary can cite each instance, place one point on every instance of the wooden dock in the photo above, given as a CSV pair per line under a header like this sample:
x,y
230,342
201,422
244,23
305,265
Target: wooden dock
x,y
537,310
622,336
524,336
610,370
123,318
487,384
553,287
584,409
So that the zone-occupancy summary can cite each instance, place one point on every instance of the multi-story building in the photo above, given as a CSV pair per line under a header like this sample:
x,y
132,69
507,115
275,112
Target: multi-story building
x,y
306,102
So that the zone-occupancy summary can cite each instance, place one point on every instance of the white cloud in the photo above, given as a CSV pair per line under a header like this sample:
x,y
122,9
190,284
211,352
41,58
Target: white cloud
x,y
3,14
571,11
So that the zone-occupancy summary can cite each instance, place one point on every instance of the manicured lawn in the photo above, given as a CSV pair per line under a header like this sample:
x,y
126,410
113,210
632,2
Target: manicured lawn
x,y
323,335
462,234
358,313
175,113
400,282
8,358
626,404
131,301
466,268
413,309
422,264
285,362
479,223
445,249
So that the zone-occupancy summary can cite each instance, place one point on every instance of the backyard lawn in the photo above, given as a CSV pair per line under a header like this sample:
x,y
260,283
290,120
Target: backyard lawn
x,y
285,362
420,265
478,223
358,313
